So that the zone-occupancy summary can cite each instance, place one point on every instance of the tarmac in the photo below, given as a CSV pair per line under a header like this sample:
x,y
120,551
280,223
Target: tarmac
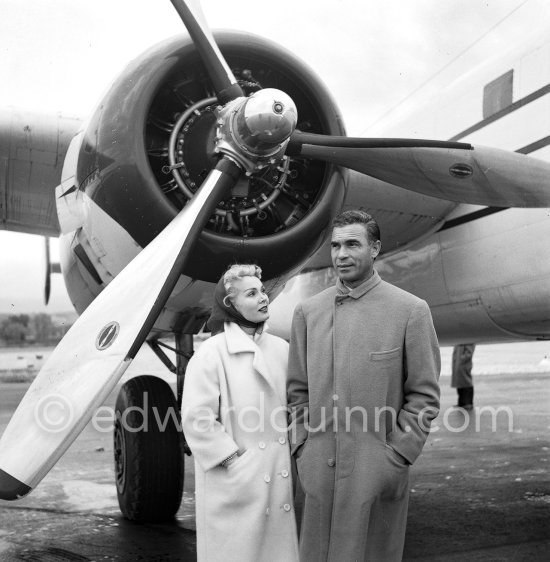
x,y
480,491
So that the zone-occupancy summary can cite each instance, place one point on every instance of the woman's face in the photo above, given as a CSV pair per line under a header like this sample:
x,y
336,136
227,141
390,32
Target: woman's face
x,y
251,300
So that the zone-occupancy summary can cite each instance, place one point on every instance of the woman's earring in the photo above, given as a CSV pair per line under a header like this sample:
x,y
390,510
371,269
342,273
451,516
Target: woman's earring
x,y
227,305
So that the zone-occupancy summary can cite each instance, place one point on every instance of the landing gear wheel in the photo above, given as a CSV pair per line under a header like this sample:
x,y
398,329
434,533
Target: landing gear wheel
x,y
148,450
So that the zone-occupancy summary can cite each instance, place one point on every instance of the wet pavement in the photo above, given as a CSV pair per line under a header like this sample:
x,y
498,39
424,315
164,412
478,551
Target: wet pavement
x,y
480,491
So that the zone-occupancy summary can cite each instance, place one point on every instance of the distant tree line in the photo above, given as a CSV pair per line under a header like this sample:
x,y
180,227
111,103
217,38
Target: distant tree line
x,y
25,329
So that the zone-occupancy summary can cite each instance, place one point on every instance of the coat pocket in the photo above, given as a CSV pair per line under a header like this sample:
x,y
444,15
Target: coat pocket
x,y
396,458
239,461
238,476
396,476
227,490
385,355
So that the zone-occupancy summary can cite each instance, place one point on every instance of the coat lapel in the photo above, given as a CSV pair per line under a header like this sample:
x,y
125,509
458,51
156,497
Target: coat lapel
x,y
239,342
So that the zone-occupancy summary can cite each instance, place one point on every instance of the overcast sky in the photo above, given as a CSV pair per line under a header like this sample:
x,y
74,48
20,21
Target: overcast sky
x,y
60,55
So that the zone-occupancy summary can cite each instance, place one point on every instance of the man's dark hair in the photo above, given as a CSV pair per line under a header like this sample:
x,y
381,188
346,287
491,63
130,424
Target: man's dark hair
x,y
357,216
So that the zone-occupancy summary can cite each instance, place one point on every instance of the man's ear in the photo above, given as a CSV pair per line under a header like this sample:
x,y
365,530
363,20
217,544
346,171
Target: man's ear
x,y
375,249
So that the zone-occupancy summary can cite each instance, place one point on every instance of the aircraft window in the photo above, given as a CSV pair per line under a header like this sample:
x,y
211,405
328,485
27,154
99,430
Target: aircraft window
x,y
498,94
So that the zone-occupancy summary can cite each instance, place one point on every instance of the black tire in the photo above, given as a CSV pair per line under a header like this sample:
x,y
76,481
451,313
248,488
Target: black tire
x,y
149,459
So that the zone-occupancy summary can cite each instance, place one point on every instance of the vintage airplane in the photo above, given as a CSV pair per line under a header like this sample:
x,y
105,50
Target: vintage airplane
x,y
204,152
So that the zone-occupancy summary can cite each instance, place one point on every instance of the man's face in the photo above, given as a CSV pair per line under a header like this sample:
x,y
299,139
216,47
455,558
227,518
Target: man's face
x,y
352,254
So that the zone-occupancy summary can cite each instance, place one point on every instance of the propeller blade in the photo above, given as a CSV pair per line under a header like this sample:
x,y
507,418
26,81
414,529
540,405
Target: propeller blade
x,y
51,267
225,84
91,358
452,171
48,280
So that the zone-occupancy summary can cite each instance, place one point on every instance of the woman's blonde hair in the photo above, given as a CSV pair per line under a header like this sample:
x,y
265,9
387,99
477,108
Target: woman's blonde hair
x,y
235,272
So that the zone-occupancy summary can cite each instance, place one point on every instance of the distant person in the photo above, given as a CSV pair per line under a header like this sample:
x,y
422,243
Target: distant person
x,y
363,369
461,377
235,422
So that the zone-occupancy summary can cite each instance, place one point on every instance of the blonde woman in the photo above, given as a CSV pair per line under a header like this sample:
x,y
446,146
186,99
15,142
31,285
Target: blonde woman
x,y
235,422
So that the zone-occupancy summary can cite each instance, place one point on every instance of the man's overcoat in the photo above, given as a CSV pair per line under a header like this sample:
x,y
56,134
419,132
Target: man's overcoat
x,y
462,362
235,400
364,363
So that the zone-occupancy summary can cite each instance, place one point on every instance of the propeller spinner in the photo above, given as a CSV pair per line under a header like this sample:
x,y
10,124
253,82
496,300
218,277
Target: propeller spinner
x,y
255,131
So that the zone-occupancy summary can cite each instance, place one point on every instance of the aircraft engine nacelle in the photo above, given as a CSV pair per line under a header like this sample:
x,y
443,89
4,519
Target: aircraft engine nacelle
x,y
150,144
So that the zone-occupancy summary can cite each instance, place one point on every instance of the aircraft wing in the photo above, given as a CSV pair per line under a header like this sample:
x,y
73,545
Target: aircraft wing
x,y
32,150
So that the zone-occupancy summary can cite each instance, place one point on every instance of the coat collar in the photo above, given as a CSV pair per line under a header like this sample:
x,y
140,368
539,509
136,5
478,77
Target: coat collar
x,y
342,291
238,341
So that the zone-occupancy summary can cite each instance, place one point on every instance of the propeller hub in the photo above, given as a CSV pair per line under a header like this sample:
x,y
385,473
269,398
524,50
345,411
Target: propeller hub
x,y
254,131
268,118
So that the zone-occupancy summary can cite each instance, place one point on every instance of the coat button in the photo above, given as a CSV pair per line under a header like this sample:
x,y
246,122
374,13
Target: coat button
x,y
261,444
284,473
331,462
282,440
287,507
267,478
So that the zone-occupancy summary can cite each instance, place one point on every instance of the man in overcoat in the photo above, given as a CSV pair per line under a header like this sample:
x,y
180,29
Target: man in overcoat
x,y
362,390
461,374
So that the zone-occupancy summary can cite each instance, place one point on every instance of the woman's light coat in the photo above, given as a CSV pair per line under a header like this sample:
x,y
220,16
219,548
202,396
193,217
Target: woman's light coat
x,y
234,399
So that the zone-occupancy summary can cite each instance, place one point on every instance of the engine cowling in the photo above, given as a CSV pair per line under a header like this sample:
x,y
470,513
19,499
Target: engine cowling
x,y
150,144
